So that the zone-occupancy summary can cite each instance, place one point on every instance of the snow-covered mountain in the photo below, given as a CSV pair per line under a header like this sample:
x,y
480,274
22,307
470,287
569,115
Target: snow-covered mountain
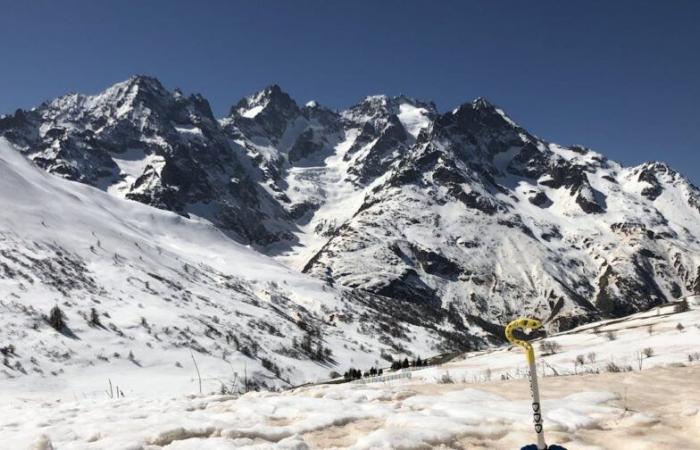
x,y
139,141
468,212
139,289
464,214
483,218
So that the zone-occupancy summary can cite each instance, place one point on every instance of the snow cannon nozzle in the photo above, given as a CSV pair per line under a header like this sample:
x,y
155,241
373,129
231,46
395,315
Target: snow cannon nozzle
x,y
522,323
525,323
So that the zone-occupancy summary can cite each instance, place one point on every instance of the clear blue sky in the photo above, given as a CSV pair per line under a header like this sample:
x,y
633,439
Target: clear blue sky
x,y
622,77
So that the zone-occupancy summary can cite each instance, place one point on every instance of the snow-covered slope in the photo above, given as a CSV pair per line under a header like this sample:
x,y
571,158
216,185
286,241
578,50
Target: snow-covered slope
x,y
479,402
661,337
143,290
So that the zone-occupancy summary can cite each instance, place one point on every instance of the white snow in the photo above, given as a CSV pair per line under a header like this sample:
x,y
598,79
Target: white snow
x,y
339,198
161,285
263,420
592,411
618,341
192,130
252,112
413,118
506,118
132,164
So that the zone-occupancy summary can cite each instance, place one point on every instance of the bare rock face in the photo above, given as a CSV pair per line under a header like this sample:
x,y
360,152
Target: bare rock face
x,y
463,212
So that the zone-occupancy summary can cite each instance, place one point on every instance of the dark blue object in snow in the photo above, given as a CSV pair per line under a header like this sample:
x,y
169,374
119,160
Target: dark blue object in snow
x,y
549,447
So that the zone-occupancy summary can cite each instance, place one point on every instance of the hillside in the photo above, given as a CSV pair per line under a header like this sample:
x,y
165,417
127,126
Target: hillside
x,y
144,291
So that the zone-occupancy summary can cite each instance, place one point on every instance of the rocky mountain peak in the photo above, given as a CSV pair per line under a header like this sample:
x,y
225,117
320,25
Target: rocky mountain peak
x,y
658,167
482,103
480,112
266,113
376,107
271,100
145,82
137,89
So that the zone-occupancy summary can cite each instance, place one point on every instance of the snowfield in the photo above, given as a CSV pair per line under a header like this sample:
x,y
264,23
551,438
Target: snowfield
x,y
656,408
353,416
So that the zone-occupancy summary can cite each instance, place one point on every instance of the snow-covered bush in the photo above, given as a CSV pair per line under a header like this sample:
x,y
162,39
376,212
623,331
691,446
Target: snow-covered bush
x,y
549,347
446,378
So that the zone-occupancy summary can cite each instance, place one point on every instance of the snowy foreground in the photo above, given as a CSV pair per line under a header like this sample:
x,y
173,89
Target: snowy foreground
x,y
611,411
452,406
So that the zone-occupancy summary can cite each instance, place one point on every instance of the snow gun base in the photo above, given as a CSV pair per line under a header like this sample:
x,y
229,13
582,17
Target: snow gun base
x,y
549,447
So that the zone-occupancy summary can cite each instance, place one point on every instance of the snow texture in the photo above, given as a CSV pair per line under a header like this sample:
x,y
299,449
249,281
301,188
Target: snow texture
x,y
591,411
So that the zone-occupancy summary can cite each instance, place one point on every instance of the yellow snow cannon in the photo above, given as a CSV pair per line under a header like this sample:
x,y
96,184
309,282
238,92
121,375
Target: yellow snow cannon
x,y
531,324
